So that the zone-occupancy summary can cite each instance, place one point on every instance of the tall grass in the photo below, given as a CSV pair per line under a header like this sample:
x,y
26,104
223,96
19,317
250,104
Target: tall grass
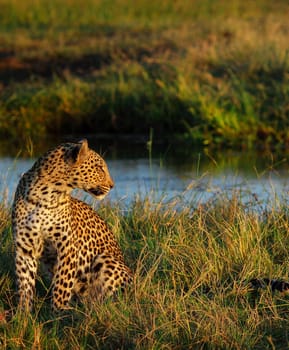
x,y
190,290
214,73
38,16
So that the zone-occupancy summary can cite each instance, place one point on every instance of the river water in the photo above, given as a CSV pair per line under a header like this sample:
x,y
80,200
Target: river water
x,y
189,175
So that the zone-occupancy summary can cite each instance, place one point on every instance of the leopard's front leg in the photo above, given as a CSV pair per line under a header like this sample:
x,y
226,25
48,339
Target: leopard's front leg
x,y
26,269
64,279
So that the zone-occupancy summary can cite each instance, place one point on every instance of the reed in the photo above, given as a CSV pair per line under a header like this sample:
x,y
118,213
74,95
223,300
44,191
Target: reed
x,y
192,266
205,72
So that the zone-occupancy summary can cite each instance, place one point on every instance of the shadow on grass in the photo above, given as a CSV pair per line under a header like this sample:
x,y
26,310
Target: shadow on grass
x,y
82,56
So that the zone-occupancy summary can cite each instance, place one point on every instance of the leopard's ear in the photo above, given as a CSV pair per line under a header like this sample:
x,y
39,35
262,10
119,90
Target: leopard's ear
x,y
79,152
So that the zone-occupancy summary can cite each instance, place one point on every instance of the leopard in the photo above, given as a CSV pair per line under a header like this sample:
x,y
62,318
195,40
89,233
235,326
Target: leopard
x,y
52,227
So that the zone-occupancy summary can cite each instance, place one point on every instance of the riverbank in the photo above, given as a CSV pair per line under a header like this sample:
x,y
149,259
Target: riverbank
x,y
191,283
205,73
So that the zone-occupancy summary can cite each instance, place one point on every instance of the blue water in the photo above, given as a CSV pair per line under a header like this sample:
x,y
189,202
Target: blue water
x,y
261,180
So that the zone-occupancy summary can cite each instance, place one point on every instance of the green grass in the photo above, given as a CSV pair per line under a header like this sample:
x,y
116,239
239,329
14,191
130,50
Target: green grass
x,y
214,73
190,290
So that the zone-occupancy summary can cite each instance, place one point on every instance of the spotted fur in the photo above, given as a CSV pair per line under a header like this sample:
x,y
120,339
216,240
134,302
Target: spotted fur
x,y
74,243
275,285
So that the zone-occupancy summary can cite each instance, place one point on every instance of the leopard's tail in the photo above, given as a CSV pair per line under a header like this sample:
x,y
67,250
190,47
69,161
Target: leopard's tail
x,y
275,285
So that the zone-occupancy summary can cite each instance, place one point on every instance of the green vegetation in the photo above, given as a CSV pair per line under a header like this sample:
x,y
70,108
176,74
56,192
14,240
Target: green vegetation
x,y
207,72
192,269
213,73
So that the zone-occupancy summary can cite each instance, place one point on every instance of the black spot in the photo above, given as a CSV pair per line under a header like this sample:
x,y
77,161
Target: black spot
x,y
26,251
82,290
83,279
111,267
108,272
97,267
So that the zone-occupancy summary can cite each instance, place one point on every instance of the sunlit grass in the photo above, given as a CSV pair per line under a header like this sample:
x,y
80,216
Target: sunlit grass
x,y
190,290
38,16
213,73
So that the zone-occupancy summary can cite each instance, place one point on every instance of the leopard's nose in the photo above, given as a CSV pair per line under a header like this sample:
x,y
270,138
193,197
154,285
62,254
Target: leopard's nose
x,y
111,184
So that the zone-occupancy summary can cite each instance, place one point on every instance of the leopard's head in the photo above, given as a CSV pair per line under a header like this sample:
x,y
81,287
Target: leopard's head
x,y
75,165
88,170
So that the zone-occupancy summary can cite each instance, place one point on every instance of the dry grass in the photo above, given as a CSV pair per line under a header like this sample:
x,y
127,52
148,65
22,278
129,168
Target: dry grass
x,y
192,268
